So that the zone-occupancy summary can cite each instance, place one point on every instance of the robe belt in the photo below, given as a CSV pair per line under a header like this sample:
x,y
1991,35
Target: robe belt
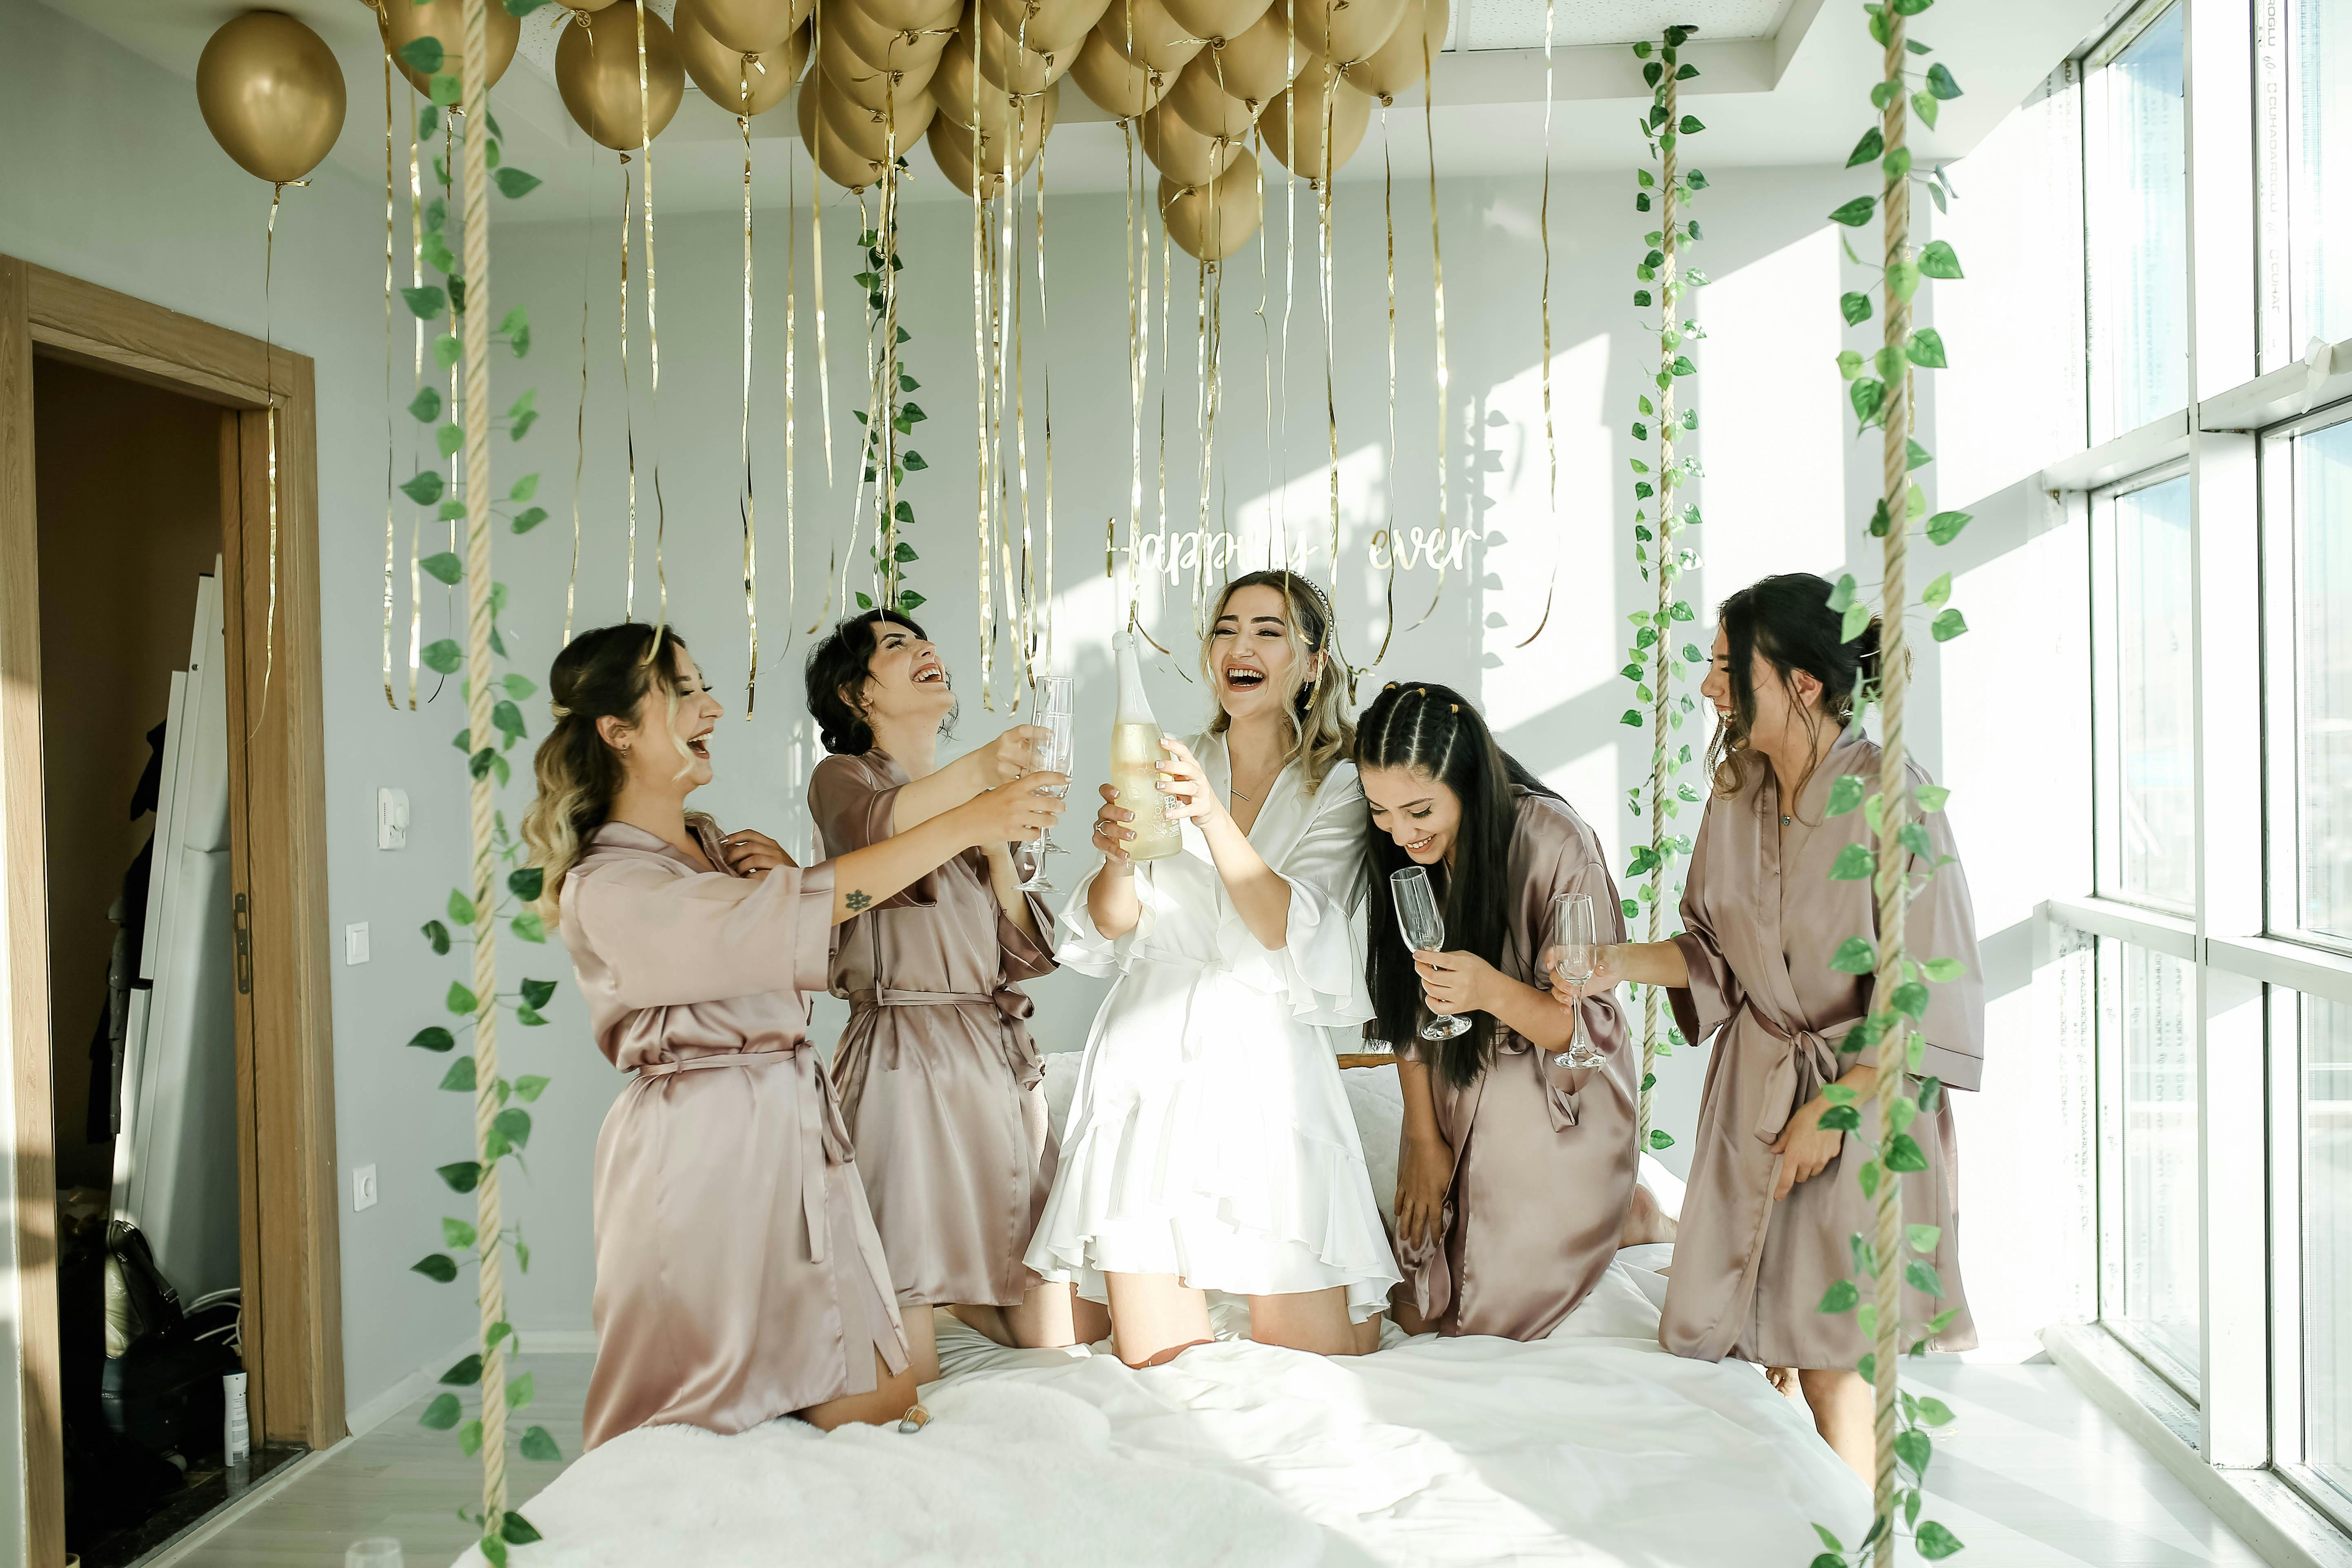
x,y
824,1141
1560,1100
1013,1007
1801,1072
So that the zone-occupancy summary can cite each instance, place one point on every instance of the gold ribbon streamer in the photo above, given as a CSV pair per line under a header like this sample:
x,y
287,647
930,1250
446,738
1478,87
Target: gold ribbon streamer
x,y
1387,215
579,447
816,271
1437,266
629,396
391,533
1551,446
1046,404
792,301
1331,397
270,394
979,297
652,333
751,500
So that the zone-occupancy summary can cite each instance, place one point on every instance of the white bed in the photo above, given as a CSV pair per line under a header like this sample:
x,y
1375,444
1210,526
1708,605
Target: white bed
x,y
1593,1447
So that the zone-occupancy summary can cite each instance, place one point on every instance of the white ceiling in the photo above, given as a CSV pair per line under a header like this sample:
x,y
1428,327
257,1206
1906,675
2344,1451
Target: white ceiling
x,y
1782,82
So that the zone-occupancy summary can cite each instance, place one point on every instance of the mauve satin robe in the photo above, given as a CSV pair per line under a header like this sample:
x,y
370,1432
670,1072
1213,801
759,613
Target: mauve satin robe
x,y
1749,1273
939,1080
739,1277
1544,1159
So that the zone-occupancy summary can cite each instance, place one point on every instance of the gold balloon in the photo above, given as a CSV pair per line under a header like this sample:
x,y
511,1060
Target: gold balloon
x,y
1146,33
401,24
596,72
585,5
1057,27
1179,152
1396,65
905,15
1213,221
737,82
951,147
1351,112
272,94
1004,63
1344,31
1216,18
1120,88
971,99
866,132
911,63
894,49
1205,105
841,163
1259,62
747,27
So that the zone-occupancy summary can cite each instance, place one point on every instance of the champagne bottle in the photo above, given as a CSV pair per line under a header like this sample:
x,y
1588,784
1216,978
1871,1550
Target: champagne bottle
x,y
1135,762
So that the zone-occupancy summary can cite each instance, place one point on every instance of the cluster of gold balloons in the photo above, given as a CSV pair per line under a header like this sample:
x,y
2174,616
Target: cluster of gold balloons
x,y
272,94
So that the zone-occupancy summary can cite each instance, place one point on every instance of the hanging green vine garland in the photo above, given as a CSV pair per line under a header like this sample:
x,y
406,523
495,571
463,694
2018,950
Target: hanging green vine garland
x,y
890,553
502,1128
1662,560
1896,1255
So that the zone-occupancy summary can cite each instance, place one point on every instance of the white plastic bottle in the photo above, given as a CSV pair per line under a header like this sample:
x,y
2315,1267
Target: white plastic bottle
x,y
1136,759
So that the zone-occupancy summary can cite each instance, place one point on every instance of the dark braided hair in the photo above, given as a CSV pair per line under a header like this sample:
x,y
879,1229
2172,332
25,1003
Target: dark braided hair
x,y
1434,732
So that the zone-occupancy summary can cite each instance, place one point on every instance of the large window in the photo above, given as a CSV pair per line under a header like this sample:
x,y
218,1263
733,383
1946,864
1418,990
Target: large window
x,y
2146,695
2148,1186
2321,606
2319,154
2327,1030
2138,224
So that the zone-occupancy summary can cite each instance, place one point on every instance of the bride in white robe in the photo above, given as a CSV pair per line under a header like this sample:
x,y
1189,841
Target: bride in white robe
x,y
1211,1146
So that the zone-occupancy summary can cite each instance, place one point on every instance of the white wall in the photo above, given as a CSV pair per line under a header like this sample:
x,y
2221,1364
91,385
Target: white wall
x,y
129,192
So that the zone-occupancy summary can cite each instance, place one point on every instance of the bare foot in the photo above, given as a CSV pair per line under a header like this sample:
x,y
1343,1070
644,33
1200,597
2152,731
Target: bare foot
x,y
1784,1378
1646,1222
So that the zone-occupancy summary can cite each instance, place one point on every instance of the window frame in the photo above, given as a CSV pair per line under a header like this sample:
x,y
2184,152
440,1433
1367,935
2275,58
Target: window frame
x,y
2106,694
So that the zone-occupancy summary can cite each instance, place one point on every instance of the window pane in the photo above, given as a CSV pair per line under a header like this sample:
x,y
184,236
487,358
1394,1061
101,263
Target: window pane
x,y
2321,217
2155,838
2159,1153
2327,1239
2322,678
2137,198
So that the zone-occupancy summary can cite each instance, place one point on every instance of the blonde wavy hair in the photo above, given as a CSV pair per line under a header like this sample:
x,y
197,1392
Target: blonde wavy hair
x,y
1322,733
606,673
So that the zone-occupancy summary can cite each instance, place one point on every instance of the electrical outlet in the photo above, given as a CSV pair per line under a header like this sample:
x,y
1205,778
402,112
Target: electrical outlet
x,y
355,943
363,1193
392,819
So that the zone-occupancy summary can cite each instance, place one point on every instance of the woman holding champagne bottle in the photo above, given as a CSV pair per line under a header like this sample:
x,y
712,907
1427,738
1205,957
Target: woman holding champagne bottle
x,y
1516,1173
1211,1146
939,1083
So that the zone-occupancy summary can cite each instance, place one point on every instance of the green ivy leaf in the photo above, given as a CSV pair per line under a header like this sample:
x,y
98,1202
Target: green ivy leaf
x,y
1934,1412
447,91
1947,626
443,657
1938,260
493,1550
1871,145
529,519
461,908
1921,1276
530,1087
537,992
1868,396
1923,1238
467,1372
1945,526
1913,1448
1661,1139
437,1265
1854,956
1854,863
529,926
425,488
1902,1154
1849,363
1846,791
444,567
514,185
1842,1296
514,1124
1855,308
1857,212
447,350
442,1413
538,1444
459,1079
461,1000
1941,83
521,1392
423,55
433,1038
470,1438
1927,349
461,1176
519,687
449,438
1924,106
1841,1118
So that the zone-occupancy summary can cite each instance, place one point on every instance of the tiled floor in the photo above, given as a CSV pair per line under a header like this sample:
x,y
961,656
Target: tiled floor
x,y
2032,1475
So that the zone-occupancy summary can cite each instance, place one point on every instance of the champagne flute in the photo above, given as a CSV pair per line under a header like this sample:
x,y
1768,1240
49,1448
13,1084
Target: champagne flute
x,y
1575,954
1423,924
1056,752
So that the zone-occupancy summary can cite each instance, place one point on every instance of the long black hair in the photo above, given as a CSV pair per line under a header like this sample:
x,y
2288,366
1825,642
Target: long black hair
x,y
1435,733
1788,620
838,664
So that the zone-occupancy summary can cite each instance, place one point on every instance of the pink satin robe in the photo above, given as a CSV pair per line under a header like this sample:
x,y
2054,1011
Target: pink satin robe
x,y
1544,1159
1759,935
739,1277
941,1084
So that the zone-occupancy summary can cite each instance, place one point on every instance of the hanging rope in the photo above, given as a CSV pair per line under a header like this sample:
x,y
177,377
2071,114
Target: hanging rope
x,y
1662,669
391,529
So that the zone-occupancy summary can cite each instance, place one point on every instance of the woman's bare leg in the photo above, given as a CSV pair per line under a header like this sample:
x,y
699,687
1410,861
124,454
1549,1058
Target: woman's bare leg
x,y
989,1321
1646,1221
1305,1321
1152,1316
1046,1317
1407,1312
1368,1335
1090,1321
1842,1414
893,1393
922,1343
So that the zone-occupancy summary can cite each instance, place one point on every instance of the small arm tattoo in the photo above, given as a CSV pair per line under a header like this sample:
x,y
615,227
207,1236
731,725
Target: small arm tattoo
x,y
856,901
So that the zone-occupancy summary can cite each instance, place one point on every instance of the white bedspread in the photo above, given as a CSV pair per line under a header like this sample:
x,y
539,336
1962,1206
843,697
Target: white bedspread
x,y
1593,1447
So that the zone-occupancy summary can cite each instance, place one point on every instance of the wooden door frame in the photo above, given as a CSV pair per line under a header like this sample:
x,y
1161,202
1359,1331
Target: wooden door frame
x,y
286,1124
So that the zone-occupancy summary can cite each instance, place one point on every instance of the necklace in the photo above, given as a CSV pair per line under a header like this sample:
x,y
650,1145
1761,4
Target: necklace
x,y
1786,820
1239,796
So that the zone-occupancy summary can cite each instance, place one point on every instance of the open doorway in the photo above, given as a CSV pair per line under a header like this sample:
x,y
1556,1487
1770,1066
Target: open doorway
x,y
164,921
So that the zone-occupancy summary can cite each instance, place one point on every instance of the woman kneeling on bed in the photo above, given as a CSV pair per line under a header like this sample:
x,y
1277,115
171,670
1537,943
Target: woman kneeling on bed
x,y
739,1277
1515,1176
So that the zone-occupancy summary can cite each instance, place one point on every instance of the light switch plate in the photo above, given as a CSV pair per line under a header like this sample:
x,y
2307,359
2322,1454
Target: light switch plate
x,y
355,943
392,819
363,1193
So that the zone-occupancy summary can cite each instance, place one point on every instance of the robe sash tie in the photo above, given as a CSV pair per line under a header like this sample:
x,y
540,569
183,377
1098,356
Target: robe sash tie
x,y
824,1139
1808,1062
1012,1005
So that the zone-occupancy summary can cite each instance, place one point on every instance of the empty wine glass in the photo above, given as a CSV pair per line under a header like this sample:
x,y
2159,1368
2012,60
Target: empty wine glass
x,y
1425,932
1056,752
1575,954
